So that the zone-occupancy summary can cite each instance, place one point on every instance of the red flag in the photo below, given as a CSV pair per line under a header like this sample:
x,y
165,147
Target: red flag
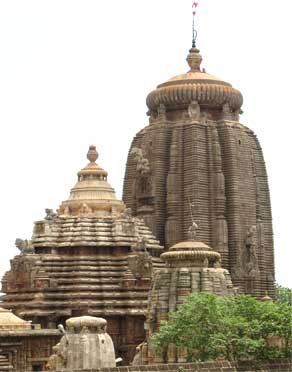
x,y
195,4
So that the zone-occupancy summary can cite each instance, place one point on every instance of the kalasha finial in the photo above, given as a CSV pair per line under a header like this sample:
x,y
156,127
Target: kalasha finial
x,y
194,60
92,154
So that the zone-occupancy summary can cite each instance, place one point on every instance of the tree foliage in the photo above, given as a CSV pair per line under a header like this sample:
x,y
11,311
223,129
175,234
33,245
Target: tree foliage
x,y
233,328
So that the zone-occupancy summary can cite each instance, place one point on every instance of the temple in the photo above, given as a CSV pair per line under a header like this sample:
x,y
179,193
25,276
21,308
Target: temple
x,y
196,160
195,217
91,257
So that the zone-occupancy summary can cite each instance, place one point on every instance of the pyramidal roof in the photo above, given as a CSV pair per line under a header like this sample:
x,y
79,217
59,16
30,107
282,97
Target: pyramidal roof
x,y
9,321
92,195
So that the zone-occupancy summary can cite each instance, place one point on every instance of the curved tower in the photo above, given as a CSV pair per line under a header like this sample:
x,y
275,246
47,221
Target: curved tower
x,y
195,160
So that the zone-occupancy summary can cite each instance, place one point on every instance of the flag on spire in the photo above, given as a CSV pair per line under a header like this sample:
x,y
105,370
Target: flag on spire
x,y
195,4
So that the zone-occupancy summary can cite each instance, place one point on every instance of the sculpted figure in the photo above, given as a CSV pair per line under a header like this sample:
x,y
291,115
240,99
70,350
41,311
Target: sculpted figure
x,y
85,209
140,263
192,232
194,110
50,214
161,111
140,245
251,244
143,167
127,213
53,360
24,246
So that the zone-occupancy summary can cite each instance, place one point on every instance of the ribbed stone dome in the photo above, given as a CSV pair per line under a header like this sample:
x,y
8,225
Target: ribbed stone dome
x,y
195,85
190,253
92,194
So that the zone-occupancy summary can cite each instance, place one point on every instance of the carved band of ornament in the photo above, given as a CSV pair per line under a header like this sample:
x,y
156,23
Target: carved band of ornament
x,y
211,95
174,256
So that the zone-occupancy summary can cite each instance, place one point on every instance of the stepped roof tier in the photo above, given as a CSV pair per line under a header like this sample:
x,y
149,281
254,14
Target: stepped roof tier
x,y
5,364
91,257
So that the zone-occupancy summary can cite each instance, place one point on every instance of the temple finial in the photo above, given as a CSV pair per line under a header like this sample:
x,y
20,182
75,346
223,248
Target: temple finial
x,y
92,154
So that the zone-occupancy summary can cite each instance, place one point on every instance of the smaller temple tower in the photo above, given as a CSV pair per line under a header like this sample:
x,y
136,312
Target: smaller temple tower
x,y
91,257
191,266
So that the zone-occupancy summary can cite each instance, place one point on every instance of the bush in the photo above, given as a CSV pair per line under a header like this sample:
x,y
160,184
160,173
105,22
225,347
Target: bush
x,y
234,328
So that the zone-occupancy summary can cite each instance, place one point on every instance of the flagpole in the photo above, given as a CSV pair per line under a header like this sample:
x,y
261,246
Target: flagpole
x,y
194,33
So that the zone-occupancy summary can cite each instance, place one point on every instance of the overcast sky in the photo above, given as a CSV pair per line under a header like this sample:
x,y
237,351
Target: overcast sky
x,y
75,73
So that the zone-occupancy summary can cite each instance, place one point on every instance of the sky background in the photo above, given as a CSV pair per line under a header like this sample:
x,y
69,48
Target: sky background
x,y
75,73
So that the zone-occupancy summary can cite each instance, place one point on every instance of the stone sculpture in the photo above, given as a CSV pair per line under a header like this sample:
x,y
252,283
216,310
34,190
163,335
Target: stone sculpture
x,y
142,163
85,345
50,214
192,231
24,246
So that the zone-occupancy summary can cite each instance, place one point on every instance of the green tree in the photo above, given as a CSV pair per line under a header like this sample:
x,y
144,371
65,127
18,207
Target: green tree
x,y
233,328
284,295
284,302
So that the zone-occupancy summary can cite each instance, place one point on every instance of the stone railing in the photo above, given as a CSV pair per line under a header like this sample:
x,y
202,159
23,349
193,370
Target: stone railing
x,y
277,365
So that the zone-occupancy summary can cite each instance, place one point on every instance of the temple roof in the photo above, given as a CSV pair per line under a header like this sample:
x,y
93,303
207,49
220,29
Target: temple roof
x,y
190,253
92,195
195,86
66,231
9,321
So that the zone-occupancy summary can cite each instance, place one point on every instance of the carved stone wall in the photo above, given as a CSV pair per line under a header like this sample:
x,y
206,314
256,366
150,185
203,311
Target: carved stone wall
x,y
28,351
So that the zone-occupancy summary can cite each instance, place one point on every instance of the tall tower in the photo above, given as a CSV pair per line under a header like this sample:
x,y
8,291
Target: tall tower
x,y
196,160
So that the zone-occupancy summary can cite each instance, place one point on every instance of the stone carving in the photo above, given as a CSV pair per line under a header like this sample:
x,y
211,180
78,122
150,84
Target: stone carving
x,y
127,214
24,246
143,167
50,214
227,113
85,209
140,245
138,358
161,112
83,335
252,256
192,231
140,262
194,110
140,265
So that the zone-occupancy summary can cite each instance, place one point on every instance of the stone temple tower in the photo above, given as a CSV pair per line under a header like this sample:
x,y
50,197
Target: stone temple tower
x,y
195,160
91,257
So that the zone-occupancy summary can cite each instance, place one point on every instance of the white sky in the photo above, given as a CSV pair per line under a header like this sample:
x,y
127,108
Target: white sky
x,y
77,72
